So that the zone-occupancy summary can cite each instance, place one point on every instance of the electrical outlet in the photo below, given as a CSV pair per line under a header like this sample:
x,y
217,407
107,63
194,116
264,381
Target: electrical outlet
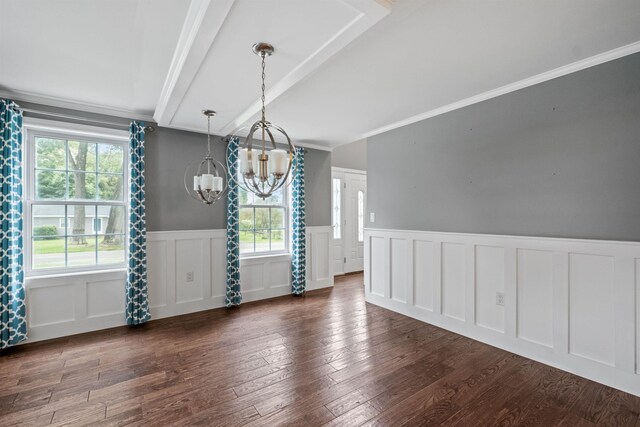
x,y
372,217
189,276
499,298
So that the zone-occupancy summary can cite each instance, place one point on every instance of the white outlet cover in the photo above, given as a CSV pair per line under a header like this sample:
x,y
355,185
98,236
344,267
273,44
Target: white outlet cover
x,y
372,217
190,276
499,298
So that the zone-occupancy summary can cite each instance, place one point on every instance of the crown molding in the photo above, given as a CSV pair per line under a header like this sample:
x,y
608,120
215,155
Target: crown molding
x,y
512,87
21,96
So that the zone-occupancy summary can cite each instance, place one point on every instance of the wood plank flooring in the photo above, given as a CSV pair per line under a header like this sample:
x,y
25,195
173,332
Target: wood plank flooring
x,y
324,359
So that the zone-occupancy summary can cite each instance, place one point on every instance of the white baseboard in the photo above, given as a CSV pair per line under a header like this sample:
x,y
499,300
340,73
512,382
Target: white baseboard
x,y
568,303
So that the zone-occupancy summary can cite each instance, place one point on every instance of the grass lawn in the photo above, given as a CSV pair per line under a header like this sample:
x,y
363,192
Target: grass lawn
x,y
247,237
56,246
261,237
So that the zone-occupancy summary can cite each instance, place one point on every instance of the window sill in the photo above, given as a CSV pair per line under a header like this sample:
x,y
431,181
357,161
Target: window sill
x,y
53,275
265,257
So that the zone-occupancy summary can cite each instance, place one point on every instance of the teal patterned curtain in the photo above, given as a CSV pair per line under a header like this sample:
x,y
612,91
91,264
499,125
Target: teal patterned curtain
x,y
137,308
13,325
298,227
233,295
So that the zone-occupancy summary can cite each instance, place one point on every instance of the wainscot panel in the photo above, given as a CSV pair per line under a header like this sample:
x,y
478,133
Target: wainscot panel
x,y
573,304
186,273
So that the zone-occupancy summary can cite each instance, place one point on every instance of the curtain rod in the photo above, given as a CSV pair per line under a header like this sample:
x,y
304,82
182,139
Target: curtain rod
x,y
79,118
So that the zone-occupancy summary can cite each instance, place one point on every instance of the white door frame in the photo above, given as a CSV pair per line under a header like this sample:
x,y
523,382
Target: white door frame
x,y
341,247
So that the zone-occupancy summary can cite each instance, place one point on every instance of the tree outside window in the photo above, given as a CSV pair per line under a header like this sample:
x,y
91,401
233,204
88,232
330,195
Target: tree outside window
x,y
78,185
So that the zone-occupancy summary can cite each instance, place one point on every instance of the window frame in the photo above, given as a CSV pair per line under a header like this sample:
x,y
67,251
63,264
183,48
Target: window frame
x,y
33,128
287,224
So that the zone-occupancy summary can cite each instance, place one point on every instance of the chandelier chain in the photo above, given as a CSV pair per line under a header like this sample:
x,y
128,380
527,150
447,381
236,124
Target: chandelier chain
x,y
263,88
208,136
264,171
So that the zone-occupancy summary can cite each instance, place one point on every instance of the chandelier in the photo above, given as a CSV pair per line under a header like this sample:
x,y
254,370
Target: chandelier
x,y
264,168
208,184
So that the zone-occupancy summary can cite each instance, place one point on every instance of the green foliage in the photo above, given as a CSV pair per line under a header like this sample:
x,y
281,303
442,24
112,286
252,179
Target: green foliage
x,y
50,153
50,231
50,184
101,166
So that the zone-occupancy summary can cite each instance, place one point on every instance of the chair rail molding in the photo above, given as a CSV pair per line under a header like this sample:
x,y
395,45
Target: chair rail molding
x,y
186,273
569,303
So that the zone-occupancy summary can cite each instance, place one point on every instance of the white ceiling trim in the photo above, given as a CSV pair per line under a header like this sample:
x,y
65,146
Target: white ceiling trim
x,y
193,45
521,84
370,13
20,96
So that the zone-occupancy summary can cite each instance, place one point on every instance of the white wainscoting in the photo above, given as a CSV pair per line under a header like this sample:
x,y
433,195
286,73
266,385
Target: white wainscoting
x,y
573,304
71,304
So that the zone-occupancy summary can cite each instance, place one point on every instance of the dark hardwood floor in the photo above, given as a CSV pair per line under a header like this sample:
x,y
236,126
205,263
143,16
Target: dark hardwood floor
x,y
323,359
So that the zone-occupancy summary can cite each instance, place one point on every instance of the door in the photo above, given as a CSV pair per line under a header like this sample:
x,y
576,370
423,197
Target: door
x,y
348,207
355,208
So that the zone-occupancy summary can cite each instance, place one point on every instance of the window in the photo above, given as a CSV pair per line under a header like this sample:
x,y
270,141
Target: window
x,y
336,216
76,201
97,226
263,223
360,216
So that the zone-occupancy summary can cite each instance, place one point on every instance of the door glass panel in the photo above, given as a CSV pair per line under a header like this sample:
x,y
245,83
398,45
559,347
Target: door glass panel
x,y
360,216
336,213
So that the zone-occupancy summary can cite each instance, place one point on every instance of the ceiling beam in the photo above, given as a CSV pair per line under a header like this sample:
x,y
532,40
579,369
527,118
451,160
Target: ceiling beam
x,y
370,12
201,26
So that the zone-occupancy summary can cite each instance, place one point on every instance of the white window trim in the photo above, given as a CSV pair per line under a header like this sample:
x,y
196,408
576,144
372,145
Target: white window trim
x,y
33,126
287,221
287,226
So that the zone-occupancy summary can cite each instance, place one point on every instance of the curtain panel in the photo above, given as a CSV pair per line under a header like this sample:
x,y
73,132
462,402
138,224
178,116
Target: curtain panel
x,y
298,227
233,296
137,299
13,322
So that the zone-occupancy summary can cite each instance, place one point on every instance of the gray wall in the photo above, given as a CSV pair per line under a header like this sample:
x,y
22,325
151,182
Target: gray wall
x,y
317,186
350,156
168,152
169,207
560,159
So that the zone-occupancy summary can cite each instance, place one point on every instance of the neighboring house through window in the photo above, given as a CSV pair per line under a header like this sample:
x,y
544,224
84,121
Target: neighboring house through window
x,y
76,191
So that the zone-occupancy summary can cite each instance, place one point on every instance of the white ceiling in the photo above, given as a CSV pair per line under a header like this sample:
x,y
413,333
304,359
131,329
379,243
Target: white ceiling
x,y
343,69
110,56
